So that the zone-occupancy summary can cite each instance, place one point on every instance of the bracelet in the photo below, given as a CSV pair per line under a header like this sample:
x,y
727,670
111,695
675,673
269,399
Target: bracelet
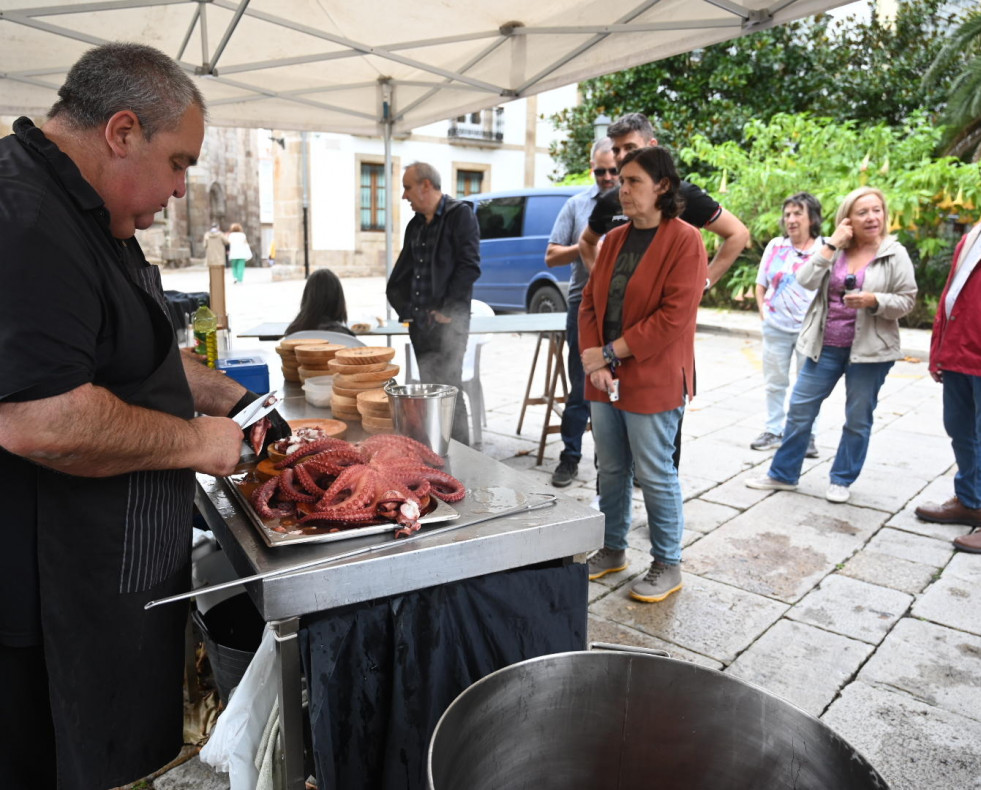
x,y
830,246
708,284
609,355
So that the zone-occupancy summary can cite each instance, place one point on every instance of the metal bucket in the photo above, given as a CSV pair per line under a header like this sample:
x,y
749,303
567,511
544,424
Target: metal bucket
x,y
424,412
615,720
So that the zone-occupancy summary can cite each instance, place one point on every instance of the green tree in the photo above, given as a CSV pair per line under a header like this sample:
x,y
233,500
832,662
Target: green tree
x,y
852,70
929,197
963,111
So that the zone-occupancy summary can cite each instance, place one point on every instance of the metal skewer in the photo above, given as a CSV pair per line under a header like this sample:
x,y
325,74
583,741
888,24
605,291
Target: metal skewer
x,y
551,499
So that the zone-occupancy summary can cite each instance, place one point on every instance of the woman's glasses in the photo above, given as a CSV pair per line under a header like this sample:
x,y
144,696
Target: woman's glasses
x,y
602,171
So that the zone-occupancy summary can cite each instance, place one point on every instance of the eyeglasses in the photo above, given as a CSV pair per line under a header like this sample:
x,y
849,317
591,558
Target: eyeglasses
x,y
602,171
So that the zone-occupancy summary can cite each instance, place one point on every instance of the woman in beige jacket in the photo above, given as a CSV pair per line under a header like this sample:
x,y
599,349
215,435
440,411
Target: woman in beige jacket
x,y
865,284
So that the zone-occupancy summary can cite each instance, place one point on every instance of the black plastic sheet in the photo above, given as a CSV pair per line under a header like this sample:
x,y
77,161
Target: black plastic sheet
x,y
381,674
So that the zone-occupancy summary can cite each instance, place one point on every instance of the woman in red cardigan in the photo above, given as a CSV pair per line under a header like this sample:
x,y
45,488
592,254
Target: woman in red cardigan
x,y
637,335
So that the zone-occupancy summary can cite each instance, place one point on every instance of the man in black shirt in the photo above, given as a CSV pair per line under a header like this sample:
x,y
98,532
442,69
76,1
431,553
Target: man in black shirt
x,y
98,438
431,285
634,131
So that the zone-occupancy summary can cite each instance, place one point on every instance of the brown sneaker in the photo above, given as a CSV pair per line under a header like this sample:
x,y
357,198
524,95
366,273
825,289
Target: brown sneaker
x,y
950,512
970,543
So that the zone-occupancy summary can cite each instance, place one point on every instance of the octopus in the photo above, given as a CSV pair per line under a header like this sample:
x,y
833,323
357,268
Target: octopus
x,y
334,483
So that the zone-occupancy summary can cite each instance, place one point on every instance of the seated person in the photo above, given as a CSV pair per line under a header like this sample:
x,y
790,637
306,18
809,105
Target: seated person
x,y
322,305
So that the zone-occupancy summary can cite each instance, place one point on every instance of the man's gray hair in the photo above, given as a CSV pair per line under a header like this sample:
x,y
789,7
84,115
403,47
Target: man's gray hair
x,y
601,146
632,122
423,171
125,76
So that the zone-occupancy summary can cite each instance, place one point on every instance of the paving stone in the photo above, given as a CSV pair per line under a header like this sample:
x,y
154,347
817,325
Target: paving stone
x,y
708,418
938,665
908,546
693,486
881,569
913,746
734,492
717,461
802,664
702,516
892,449
783,546
955,598
192,774
852,608
711,619
602,630
877,487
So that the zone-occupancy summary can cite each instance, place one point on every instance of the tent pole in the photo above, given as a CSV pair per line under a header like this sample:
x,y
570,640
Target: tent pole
x,y
386,91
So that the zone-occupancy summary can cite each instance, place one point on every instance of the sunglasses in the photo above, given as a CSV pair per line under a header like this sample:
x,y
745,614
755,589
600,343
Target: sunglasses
x,y
602,171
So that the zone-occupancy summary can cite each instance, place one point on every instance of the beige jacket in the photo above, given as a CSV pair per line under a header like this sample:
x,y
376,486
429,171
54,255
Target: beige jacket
x,y
890,277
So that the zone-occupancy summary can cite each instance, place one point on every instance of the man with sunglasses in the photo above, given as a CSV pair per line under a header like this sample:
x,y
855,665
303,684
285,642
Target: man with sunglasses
x,y
563,249
633,131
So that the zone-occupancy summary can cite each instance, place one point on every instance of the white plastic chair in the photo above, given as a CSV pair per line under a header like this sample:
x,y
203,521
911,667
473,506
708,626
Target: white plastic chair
x,y
471,371
338,338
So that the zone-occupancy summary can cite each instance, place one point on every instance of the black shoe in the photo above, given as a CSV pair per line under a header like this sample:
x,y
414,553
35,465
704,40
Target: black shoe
x,y
564,473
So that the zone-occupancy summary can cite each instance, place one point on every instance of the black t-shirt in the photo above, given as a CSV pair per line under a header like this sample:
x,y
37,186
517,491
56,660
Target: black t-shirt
x,y
700,209
70,314
633,249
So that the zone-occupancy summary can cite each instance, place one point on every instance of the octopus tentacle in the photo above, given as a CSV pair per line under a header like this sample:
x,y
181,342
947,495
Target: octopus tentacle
x,y
262,497
305,478
353,488
333,462
289,492
304,452
444,485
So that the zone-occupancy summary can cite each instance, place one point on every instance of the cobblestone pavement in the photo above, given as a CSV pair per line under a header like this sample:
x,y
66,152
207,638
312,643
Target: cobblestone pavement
x,y
857,613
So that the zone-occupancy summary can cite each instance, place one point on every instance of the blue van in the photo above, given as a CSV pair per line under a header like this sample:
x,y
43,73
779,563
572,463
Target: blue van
x,y
514,230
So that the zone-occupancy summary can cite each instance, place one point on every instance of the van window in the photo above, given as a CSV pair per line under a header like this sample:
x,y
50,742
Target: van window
x,y
500,218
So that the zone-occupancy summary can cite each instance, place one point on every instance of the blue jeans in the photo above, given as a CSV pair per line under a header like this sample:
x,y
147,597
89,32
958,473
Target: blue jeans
x,y
815,383
575,415
962,421
645,441
778,351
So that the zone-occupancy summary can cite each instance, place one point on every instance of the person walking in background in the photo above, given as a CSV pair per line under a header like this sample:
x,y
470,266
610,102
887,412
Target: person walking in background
x,y
238,251
865,284
563,249
955,362
322,305
783,303
637,335
431,285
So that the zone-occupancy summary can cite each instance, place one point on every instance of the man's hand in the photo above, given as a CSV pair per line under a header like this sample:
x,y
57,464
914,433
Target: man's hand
x,y
735,237
439,318
589,247
218,446
937,376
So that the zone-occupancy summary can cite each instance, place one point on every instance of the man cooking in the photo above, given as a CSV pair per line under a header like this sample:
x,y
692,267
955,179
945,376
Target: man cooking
x,y
98,439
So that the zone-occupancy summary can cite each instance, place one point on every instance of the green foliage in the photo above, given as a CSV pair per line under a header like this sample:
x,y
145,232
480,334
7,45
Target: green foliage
x,y
963,113
849,71
793,153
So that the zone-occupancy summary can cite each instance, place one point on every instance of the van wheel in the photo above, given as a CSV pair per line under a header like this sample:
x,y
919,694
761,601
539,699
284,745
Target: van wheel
x,y
547,299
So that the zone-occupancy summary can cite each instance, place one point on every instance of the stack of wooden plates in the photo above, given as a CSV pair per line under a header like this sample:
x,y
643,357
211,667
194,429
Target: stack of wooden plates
x,y
314,358
356,371
287,352
376,411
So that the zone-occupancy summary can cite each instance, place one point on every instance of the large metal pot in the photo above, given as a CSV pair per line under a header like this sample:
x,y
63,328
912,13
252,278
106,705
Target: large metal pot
x,y
603,719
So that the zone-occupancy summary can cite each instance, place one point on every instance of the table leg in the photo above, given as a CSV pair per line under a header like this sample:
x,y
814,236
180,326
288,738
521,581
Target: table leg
x,y
556,370
286,633
528,400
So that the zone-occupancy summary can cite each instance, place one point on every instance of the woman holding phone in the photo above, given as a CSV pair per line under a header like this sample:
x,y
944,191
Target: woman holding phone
x,y
865,284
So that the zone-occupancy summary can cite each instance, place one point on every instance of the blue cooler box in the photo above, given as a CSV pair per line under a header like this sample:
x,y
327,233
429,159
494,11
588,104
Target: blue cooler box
x,y
251,372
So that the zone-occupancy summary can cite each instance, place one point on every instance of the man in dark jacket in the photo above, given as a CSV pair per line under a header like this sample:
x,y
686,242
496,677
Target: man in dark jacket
x,y
956,363
432,283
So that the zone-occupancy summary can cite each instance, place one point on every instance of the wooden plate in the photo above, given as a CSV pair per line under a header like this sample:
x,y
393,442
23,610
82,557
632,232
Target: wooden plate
x,y
385,373
365,355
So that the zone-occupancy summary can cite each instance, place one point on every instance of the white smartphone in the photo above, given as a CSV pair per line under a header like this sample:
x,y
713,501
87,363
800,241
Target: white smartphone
x,y
614,392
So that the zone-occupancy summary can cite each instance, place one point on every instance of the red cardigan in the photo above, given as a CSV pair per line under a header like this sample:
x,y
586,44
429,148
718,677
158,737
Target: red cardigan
x,y
660,307
956,341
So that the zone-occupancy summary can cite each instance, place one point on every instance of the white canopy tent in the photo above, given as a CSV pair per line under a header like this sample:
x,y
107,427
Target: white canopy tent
x,y
373,67
358,67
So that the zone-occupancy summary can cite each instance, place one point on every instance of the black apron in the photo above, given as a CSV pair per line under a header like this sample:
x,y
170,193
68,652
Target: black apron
x,y
106,546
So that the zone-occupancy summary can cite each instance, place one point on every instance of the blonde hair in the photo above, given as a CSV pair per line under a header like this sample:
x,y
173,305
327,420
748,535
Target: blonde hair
x,y
849,202
235,228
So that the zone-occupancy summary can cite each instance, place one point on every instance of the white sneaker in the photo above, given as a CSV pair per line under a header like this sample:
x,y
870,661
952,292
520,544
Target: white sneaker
x,y
767,483
837,494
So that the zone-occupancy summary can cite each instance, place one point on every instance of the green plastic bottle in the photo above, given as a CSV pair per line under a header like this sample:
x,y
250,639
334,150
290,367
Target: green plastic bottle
x,y
206,334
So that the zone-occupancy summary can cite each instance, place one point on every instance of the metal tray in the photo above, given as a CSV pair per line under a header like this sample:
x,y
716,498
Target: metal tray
x,y
273,539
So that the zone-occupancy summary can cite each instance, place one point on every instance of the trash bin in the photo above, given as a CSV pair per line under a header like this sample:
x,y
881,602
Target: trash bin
x,y
231,631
